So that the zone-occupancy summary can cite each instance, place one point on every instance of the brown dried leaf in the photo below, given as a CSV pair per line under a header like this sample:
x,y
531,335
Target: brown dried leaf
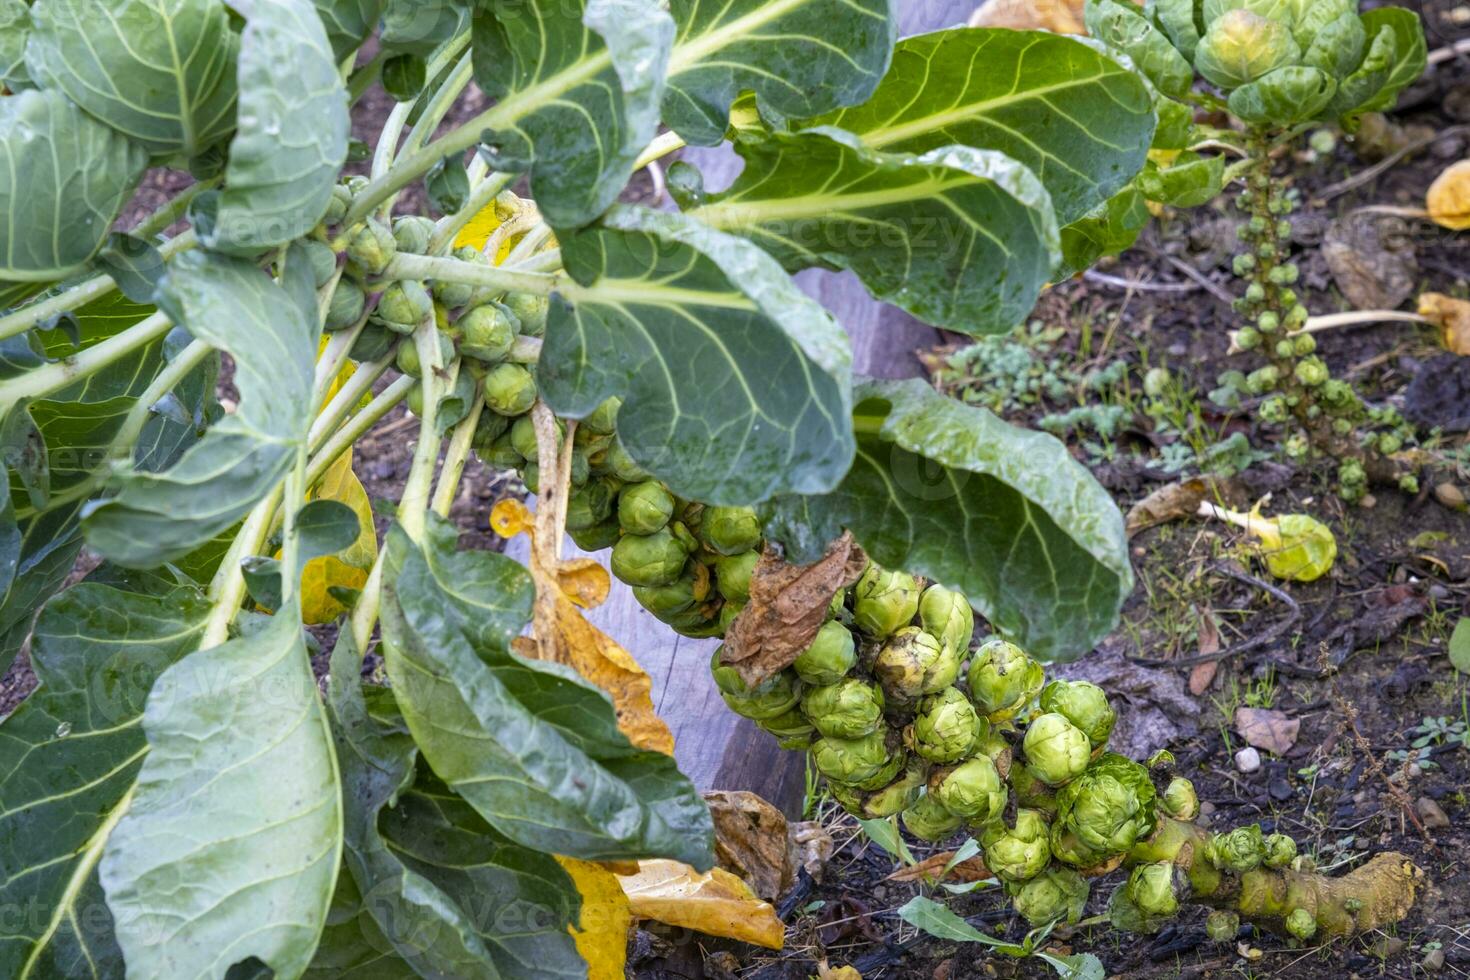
x,y
813,847
715,903
1173,502
1372,260
930,869
1452,316
752,840
1268,729
1448,200
788,604
1060,16
1203,674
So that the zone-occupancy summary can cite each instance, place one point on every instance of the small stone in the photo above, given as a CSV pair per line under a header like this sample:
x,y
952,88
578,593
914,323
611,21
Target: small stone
x,y
1280,790
1449,496
1433,961
1248,760
1431,814
1206,807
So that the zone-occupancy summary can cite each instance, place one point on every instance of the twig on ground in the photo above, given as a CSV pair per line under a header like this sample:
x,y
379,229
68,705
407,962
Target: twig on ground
x,y
1118,282
1213,288
1369,175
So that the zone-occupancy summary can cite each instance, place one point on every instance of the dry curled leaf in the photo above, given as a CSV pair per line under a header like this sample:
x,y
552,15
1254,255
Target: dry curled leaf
x,y
788,604
1452,316
1267,729
931,868
1448,200
828,972
601,934
1203,674
1172,502
813,847
1059,16
716,903
752,840
1372,259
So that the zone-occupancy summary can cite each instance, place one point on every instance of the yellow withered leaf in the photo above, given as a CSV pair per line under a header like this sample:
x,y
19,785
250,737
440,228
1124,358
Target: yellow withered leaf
x,y
715,903
483,225
1059,16
602,938
1452,316
1448,200
347,569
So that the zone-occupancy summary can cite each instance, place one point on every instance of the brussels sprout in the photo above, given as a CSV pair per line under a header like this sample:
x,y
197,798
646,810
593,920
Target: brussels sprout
x,y
1067,849
793,732
621,465
1056,750
829,658
457,294
728,612
407,358
322,259
730,530
603,534
1017,853
531,477
851,761
345,309
1242,46
1155,888
1110,807
649,559
530,310
838,603
604,418
994,747
1030,791
489,333
947,615
1128,917
928,820
415,403
490,427
898,758
947,727
1084,704
1180,800
644,508
590,504
669,600
1003,680
372,343
973,789
510,389
371,246
850,708
1222,926
1057,893
1301,924
883,601
773,697
1240,850
523,436
696,623
1337,46
403,306
1280,850
412,233
502,455
733,572
891,798
913,663
580,471
338,205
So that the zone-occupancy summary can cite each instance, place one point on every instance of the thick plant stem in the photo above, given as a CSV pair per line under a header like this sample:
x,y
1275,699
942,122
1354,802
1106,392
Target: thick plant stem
x,y
406,266
456,456
354,428
1378,894
50,377
227,591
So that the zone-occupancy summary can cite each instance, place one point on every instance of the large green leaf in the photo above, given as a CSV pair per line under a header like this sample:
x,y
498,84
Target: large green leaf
x,y
69,756
1410,53
1078,119
959,237
1121,25
530,745
579,84
1110,229
419,26
348,22
735,384
442,882
231,304
801,58
291,140
352,946
15,29
64,178
1002,513
230,847
161,72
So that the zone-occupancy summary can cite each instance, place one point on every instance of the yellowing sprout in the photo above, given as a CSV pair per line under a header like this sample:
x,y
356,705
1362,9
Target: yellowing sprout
x,y
1295,547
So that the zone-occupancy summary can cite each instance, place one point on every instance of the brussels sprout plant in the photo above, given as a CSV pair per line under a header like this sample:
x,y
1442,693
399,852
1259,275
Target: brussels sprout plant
x,y
1280,68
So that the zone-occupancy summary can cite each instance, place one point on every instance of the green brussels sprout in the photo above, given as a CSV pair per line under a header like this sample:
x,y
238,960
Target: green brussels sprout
x,y
1056,750
371,247
793,732
581,471
412,233
1240,850
1017,853
730,530
1057,893
1126,916
928,820
604,418
489,333
947,615
322,259
677,597
1003,680
732,573
973,789
338,205
403,306
888,772
502,455
883,601
510,389
590,504
1030,791
851,761
621,465
773,697
490,427
728,611
346,306
1280,850
946,727
994,747
1332,36
1242,46
644,508
1084,704
1179,799
457,294
530,310
355,184
1069,850
850,708
911,664
838,603
1301,924
829,658
649,559
681,533
1155,888
1222,925
523,436
415,403
887,800
696,623
603,534
1110,807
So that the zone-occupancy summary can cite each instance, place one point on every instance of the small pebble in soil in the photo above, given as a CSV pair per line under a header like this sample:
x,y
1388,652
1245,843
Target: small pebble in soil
x,y
1433,961
1248,760
1431,814
1280,790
